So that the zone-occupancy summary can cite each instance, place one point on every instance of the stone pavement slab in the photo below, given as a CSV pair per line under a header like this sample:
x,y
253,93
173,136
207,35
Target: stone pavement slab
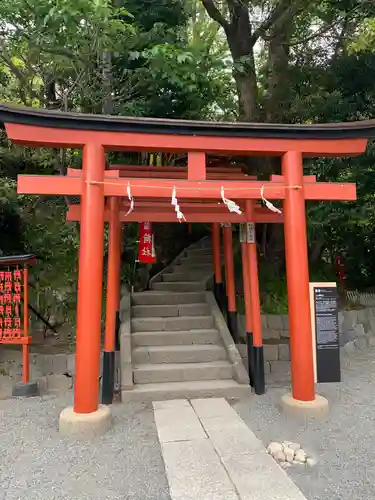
x,y
173,404
195,471
224,461
178,423
260,478
229,441
217,407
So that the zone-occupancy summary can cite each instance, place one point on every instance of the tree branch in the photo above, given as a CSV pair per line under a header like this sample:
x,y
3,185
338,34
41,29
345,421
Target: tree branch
x,y
282,7
322,31
215,13
4,55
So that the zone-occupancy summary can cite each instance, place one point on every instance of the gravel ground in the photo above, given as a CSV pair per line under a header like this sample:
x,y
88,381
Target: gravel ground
x,y
343,444
37,463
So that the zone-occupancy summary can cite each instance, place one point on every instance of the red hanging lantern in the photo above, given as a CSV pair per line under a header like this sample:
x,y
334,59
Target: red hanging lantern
x,y
146,250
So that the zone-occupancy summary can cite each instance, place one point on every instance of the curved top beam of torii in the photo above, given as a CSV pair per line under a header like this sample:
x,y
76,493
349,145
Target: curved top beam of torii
x,y
97,133
23,125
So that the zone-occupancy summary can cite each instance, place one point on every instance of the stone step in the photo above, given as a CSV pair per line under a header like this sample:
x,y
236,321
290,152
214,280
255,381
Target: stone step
x,y
229,389
206,253
186,275
199,251
180,372
165,311
156,324
197,259
178,354
201,268
166,298
188,337
178,286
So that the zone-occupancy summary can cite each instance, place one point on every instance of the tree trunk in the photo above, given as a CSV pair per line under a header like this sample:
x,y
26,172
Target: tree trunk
x,y
107,84
241,45
278,101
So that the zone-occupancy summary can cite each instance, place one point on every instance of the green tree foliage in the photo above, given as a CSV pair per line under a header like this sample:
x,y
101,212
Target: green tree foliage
x,y
348,228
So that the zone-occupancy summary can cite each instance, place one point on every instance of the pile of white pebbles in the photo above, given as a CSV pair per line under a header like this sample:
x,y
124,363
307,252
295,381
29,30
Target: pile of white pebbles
x,y
287,453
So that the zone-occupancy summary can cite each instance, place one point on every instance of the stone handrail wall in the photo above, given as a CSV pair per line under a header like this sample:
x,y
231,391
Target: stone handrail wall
x,y
125,342
233,354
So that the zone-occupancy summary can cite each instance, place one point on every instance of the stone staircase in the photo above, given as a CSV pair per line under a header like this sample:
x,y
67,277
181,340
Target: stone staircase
x,y
180,344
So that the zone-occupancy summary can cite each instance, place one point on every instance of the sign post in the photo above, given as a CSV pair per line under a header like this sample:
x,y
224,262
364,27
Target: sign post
x,y
325,330
247,232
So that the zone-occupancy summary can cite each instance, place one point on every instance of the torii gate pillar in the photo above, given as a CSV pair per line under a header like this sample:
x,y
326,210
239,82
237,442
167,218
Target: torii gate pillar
x,y
297,270
113,300
86,416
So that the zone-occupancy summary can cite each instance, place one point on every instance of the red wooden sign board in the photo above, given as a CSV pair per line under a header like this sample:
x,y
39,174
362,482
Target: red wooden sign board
x,y
14,313
10,300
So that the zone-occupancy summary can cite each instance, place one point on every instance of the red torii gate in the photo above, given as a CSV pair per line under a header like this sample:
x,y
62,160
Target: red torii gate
x,y
97,134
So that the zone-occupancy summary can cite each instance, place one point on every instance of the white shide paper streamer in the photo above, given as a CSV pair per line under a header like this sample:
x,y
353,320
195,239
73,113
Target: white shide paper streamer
x,y
130,198
268,203
174,202
230,204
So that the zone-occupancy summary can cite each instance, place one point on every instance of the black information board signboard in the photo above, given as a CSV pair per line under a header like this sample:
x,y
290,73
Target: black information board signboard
x,y
327,334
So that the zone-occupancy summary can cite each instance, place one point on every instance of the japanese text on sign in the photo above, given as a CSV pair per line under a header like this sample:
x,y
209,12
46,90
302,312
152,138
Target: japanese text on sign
x,y
247,233
146,252
10,300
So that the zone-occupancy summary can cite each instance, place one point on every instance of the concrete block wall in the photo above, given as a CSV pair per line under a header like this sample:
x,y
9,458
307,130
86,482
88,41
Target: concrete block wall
x,y
356,329
273,326
51,371
275,330
272,362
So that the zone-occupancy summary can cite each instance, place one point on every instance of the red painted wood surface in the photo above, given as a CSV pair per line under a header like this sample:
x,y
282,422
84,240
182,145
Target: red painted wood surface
x,y
144,214
297,271
145,188
31,135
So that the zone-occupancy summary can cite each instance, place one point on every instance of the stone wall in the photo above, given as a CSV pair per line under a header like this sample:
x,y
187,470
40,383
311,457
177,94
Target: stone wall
x,y
51,371
275,331
356,329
